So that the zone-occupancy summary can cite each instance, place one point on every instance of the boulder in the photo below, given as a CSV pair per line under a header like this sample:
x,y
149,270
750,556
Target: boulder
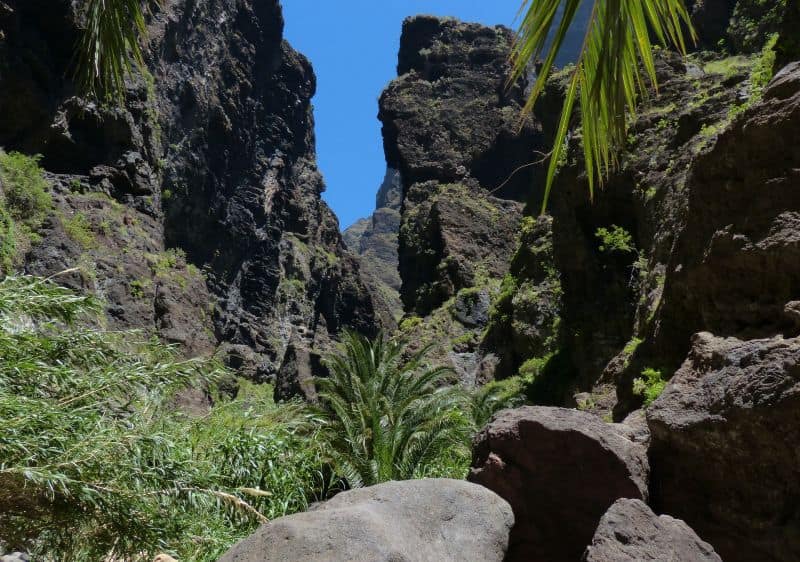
x,y
631,532
14,557
724,446
432,520
560,470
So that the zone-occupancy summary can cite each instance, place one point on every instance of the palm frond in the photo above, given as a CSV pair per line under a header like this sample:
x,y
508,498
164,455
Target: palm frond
x,y
109,47
385,416
607,78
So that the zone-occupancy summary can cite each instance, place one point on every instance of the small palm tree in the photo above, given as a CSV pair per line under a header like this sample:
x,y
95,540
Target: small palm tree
x,y
386,417
606,77
489,399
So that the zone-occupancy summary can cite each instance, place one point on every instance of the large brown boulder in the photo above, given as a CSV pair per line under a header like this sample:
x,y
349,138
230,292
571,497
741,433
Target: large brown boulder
x,y
560,470
724,450
631,532
434,520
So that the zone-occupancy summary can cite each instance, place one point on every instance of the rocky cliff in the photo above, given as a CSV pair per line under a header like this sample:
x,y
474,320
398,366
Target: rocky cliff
x,y
452,129
195,209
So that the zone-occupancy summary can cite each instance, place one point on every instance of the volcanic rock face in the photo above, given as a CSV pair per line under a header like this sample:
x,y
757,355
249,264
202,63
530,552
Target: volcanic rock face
x,y
525,315
706,249
611,292
213,154
452,129
631,532
724,446
418,520
560,470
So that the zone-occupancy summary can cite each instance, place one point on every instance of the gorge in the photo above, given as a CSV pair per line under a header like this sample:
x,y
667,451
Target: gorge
x,y
645,340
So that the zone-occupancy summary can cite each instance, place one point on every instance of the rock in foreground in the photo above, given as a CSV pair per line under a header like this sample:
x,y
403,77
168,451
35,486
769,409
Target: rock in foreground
x,y
724,446
560,470
433,520
631,532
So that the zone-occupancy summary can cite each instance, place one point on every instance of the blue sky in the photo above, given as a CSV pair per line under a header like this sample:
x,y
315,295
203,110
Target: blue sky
x,y
353,46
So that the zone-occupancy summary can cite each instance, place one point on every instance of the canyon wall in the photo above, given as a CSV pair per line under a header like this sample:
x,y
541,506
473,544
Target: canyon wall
x,y
195,209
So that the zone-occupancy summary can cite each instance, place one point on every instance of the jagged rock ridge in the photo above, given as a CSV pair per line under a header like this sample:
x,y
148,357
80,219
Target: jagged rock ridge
x,y
374,240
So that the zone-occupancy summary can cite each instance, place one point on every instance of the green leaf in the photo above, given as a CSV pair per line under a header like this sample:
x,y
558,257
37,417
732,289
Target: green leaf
x,y
607,77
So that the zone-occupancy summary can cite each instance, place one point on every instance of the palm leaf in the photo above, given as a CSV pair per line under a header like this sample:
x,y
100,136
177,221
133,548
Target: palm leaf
x,y
615,67
385,416
109,47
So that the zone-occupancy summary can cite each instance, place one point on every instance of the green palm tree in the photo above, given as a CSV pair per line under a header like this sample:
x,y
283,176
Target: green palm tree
x,y
492,397
615,67
387,418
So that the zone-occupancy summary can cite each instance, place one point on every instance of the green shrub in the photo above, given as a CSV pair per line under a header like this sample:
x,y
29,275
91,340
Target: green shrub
x,y
162,263
27,192
763,69
631,347
495,396
533,367
615,239
503,303
79,229
8,241
139,287
650,385
409,323
25,202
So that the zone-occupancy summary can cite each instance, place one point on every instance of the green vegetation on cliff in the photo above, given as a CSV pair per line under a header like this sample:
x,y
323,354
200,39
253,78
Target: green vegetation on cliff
x,y
24,204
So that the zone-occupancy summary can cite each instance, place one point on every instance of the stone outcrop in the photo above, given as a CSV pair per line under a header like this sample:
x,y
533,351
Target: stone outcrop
x,y
14,557
213,156
452,129
560,470
631,532
411,521
704,250
525,313
611,293
724,446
